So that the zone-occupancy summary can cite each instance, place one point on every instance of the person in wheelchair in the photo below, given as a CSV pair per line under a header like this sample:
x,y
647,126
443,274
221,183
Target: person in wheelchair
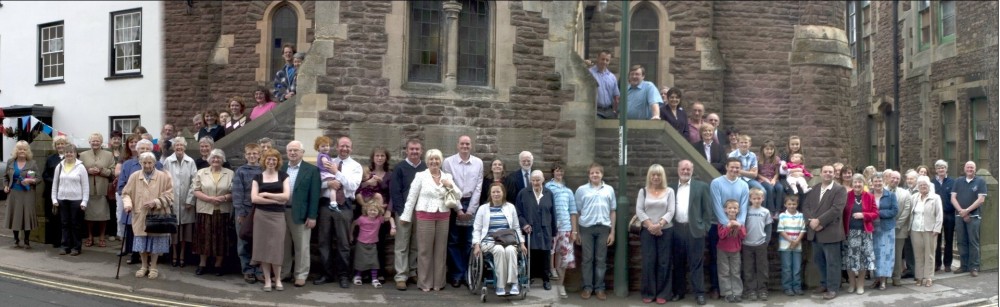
x,y
499,215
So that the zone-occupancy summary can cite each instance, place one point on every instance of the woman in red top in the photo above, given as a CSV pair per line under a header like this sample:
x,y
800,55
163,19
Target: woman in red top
x,y
858,251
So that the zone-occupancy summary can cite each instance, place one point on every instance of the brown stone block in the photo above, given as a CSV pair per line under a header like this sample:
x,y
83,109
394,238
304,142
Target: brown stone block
x,y
412,109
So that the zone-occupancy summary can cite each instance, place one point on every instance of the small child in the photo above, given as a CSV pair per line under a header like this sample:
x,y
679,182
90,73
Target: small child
x,y
365,253
791,228
322,146
758,230
730,238
797,174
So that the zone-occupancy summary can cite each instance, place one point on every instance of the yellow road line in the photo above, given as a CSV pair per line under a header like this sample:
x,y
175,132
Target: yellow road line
x,y
97,292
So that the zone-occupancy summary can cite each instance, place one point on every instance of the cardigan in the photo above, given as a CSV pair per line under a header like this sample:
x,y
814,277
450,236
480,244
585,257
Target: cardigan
x,y
481,224
70,185
931,215
427,196
868,209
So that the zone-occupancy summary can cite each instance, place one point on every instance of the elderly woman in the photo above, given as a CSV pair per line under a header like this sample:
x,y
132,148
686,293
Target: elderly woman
x,y
564,206
497,216
100,167
269,192
537,217
857,250
70,192
52,230
427,197
212,128
885,230
148,191
239,117
205,147
129,168
264,103
655,209
212,187
18,182
925,225
674,113
181,168
597,229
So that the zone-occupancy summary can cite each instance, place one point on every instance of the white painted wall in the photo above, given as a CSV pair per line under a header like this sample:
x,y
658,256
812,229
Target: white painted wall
x,y
84,103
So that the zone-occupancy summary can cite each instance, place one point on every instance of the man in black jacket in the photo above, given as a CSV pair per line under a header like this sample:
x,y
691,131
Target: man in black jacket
x,y
519,179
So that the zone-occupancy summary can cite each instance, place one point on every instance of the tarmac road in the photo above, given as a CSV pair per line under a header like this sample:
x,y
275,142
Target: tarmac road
x,y
22,290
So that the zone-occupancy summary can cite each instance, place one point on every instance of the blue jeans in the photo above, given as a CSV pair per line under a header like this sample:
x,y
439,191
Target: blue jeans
x,y
968,242
459,246
791,270
774,197
594,240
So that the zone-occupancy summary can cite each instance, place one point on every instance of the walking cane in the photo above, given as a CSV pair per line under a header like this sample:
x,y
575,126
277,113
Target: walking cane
x,y
122,252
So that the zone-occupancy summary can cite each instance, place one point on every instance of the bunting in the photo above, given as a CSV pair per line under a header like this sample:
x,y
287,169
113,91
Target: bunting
x,y
27,128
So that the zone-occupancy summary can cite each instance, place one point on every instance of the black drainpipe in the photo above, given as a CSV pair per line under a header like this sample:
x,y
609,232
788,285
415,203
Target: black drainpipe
x,y
893,141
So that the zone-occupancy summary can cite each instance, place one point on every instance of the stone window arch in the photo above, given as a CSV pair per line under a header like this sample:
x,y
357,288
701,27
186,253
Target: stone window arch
x,y
282,22
649,41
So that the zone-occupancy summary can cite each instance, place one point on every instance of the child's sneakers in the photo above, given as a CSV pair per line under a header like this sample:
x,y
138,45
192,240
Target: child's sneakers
x,y
376,284
357,280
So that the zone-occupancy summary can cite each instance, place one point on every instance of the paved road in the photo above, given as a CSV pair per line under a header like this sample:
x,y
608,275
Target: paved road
x,y
15,292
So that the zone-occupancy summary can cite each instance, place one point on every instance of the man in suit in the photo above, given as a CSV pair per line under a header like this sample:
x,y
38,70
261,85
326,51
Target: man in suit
x,y
300,212
710,149
692,220
519,179
823,209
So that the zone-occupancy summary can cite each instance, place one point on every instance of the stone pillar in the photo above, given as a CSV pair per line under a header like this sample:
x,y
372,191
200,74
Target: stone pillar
x,y
988,233
451,10
311,98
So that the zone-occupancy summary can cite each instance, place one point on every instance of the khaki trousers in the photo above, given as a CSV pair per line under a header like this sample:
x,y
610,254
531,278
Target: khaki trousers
x,y
923,252
405,251
296,239
432,245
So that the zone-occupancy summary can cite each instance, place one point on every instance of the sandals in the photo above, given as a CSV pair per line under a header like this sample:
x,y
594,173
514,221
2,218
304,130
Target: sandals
x,y
154,273
102,243
928,282
141,272
88,242
267,288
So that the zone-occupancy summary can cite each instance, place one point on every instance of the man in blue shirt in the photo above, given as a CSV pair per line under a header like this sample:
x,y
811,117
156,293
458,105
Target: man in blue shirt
x,y
643,99
607,87
967,195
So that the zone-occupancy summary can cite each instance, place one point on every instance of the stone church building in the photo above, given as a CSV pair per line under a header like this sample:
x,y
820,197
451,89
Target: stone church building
x,y
511,75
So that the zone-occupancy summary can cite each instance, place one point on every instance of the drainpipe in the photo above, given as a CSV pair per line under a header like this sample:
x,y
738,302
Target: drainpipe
x,y
622,210
893,140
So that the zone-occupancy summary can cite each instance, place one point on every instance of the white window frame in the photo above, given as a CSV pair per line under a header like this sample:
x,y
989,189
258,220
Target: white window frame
x,y
46,51
127,124
121,23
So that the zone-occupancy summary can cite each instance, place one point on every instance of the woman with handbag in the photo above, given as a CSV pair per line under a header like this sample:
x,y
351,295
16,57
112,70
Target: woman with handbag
x,y
182,169
537,217
654,208
500,216
19,181
428,196
212,188
70,193
148,192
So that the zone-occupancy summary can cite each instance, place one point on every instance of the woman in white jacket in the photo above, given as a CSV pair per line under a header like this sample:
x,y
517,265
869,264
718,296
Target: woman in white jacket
x,y
181,168
427,197
925,225
70,193
498,215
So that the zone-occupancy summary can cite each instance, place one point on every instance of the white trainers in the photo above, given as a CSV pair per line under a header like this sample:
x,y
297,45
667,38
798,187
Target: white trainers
x,y
376,284
515,289
501,291
562,291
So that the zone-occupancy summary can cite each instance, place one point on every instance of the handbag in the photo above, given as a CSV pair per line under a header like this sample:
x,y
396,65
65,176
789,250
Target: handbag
x,y
505,237
112,188
634,225
161,223
246,228
450,200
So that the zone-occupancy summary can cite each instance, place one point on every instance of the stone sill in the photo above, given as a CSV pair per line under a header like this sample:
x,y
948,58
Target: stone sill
x,y
63,81
441,91
124,76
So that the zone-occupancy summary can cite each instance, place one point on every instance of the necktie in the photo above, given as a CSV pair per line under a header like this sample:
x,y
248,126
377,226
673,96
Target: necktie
x,y
341,199
708,152
525,178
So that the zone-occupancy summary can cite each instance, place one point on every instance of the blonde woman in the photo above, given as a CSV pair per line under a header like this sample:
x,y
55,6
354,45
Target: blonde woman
x,y
53,231
426,197
19,181
655,209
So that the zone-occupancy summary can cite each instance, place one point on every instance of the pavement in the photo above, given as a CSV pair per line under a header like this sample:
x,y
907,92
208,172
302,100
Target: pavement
x,y
94,271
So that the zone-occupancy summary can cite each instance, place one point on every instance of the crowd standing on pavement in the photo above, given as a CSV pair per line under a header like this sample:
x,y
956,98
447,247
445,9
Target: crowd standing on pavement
x,y
440,210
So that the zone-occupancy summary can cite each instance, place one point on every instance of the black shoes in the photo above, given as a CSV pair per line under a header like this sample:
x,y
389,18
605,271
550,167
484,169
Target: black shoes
x,y
547,285
344,283
456,283
700,299
322,280
676,297
200,270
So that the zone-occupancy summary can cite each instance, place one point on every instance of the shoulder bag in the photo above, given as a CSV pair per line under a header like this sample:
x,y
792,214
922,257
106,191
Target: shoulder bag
x,y
635,225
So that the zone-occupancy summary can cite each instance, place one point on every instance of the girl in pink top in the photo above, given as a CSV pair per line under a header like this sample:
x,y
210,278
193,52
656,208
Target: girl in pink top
x,y
264,103
797,174
365,252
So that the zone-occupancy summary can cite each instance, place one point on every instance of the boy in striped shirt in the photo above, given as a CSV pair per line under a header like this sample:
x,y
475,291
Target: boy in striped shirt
x,y
791,228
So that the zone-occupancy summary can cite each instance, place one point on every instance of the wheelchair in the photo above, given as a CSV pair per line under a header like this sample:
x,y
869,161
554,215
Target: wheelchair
x,y
480,275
